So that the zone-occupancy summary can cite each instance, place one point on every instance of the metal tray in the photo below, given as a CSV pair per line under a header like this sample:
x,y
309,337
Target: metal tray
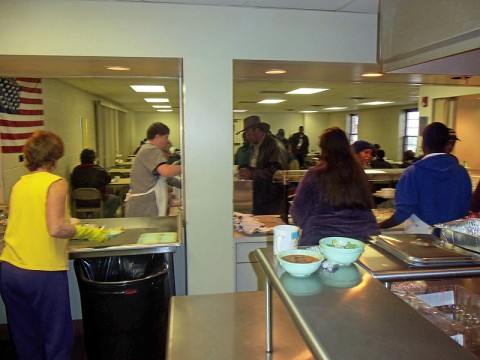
x,y
424,250
464,233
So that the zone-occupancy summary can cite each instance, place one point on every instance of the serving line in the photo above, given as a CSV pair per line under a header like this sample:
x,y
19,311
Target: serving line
x,y
363,322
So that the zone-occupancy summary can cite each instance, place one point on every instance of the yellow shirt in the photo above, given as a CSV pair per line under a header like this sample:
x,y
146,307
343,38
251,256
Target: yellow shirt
x,y
28,245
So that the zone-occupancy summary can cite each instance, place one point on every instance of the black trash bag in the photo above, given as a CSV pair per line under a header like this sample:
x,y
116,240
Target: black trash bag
x,y
125,303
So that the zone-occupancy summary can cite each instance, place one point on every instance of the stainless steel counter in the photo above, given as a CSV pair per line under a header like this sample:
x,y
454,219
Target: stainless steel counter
x,y
359,320
375,175
126,243
229,327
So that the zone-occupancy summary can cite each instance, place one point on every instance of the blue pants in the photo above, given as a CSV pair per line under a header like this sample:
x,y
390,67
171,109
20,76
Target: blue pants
x,y
38,312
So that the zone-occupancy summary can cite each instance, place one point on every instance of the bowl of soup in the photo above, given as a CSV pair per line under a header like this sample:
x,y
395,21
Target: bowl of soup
x,y
299,262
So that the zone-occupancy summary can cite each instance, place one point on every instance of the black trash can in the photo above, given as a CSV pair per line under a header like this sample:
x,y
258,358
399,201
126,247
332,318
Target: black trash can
x,y
125,302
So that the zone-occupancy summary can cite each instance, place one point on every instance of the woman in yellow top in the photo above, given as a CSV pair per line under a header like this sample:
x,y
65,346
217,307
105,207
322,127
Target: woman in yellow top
x,y
34,262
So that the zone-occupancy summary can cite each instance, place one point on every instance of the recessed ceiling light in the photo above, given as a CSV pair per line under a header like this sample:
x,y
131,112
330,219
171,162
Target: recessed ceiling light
x,y
372,75
377,103
159,100
118,68
336,108
271,101
161,106
306,91
275,71
308,111
148,88
165,110
239,110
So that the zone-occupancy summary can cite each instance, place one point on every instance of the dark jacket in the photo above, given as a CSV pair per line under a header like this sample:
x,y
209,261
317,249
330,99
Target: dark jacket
x,y
319,220
90,176
436,189
295,140
380,164
269,197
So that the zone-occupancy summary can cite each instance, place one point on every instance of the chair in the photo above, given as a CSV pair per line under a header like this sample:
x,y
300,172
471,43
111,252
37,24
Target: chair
x,y
87,202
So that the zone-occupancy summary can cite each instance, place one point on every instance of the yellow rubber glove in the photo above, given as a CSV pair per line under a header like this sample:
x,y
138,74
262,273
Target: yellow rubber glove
x,y
91,234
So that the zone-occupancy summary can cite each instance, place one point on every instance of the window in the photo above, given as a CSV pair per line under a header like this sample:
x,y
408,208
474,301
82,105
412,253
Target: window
x,y
353,125
412,125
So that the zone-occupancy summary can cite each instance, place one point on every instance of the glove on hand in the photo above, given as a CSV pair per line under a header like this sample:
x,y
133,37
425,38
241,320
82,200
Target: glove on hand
x,y
91,234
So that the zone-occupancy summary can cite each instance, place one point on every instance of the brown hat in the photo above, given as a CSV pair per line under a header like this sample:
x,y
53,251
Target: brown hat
x,y
254,122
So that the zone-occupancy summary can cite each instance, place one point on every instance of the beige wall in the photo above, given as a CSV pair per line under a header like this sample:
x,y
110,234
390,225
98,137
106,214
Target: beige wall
x,y
468,130
144,119
208,39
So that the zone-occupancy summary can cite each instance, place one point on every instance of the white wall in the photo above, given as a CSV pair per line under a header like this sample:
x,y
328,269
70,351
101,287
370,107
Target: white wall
x,y
208,39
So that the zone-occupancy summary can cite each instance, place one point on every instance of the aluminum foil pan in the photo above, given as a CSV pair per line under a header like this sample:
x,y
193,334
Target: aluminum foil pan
x,y
464,233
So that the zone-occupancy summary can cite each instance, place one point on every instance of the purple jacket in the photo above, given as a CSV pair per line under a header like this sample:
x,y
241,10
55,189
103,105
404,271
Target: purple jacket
x,y
321,220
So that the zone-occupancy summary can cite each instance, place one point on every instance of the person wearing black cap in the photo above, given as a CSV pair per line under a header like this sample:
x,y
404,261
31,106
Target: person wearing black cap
x,y
266,157
452,140
363,151
433,190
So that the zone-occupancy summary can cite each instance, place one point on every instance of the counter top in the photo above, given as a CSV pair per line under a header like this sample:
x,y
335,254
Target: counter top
x,y
355,317
229,326
269,221
126,242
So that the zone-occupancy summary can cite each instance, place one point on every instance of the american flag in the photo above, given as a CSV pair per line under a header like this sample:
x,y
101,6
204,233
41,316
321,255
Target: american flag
x,y
21,111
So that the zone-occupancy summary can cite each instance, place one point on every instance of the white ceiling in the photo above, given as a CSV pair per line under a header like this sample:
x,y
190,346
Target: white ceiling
x,y
251,84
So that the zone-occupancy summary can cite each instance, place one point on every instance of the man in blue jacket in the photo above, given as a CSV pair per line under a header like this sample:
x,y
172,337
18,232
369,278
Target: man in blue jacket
x,y
435,189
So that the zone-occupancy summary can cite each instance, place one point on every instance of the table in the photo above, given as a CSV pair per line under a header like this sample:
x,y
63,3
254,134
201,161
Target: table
x,y
364,321
120,170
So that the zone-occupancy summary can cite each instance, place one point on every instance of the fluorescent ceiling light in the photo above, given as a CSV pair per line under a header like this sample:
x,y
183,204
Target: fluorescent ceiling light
x,y
308,111
271,101
377,103
164,110
148,88
239,110
306,91
161,106
336,108
372,75
118,68
275,71
159,100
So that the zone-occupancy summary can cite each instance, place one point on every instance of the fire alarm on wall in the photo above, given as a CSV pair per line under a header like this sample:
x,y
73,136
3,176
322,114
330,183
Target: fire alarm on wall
x,y
425,101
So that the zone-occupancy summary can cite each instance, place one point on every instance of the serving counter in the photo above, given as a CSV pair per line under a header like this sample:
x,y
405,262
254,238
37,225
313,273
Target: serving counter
x,y
346,319
127,243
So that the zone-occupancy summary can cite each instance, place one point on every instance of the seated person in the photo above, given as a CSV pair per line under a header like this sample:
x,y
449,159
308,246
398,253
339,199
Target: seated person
x,y
379,162
334,198
408,158
433,190
90,175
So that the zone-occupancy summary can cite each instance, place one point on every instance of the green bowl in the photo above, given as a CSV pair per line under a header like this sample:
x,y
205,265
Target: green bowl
x,y
341,256
296,269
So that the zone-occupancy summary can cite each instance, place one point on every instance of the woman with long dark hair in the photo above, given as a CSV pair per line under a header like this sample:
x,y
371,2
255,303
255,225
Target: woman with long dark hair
x,y
334,198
